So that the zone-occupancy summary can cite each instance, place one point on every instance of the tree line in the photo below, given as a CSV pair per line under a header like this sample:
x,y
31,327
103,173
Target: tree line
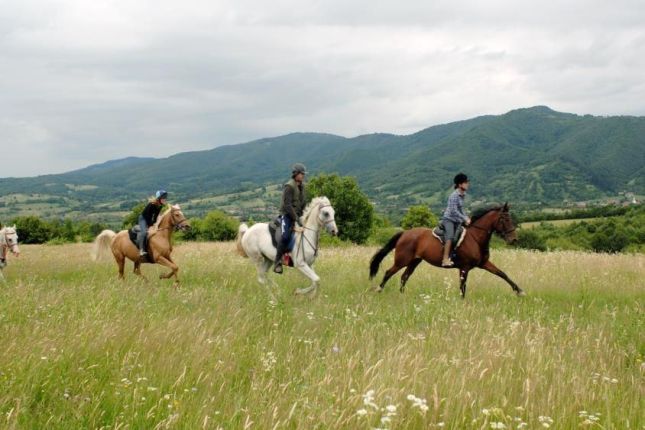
x,y
358,223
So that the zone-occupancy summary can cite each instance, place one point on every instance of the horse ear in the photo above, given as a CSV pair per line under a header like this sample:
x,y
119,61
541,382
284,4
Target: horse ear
x,y
506,207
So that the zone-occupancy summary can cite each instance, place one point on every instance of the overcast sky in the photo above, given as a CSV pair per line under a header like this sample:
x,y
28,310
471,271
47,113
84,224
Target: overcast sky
x,y
86,81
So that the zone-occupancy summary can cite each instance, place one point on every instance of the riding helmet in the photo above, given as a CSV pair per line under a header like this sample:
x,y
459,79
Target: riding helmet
x,y
298,168
460,178
161,194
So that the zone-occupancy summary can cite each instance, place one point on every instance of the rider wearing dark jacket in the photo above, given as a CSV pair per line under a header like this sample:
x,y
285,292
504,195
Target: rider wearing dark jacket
x,y
293,204
148,217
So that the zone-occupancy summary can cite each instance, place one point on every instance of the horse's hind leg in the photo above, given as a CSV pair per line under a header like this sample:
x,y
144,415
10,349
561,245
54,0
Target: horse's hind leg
x,y
137,270
408,272
388,274
120,261
262,267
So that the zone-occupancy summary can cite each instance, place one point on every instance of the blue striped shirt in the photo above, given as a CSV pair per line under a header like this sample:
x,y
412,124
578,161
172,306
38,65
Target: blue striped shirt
x,y
455,210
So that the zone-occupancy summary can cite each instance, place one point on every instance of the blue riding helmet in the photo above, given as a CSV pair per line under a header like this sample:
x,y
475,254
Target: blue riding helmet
x,y
161,194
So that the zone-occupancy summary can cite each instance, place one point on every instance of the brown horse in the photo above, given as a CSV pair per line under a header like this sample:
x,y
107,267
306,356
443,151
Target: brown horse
x,y
418,244
159,244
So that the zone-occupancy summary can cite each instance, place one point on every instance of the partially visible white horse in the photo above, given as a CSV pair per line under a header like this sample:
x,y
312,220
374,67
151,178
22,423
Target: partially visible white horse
x,y
255,242
8,241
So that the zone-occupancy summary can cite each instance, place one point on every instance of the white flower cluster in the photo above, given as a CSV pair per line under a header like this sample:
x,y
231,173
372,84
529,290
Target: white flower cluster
x,y
418,403
387,413
589,419
368,399
597,377
497,425
268,361
545,421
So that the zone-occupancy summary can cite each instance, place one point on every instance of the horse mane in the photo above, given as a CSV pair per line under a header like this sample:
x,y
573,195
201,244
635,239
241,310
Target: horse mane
x,y
160,218
314,203
166,212
480,212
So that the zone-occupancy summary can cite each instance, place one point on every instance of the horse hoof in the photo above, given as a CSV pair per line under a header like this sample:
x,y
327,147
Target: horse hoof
x,y
378,289
521,294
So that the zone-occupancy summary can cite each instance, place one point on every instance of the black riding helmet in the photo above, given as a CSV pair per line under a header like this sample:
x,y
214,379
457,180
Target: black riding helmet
x,y
298,168
460,178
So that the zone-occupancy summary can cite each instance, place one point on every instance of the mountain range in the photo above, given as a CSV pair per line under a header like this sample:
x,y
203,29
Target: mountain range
x,y
533,157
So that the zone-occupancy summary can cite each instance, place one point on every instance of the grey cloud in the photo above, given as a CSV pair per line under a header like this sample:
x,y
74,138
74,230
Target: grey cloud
x,y
83,82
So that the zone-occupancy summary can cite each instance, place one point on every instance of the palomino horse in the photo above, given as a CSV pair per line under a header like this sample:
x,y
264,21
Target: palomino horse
x,y
255,242
159,244
8,241
418,244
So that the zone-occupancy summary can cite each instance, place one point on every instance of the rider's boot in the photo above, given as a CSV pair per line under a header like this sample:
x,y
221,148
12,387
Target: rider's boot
x,y
447,262
141,243
277,264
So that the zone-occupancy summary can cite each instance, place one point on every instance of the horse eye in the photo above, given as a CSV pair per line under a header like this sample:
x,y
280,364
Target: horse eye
x,y
326,214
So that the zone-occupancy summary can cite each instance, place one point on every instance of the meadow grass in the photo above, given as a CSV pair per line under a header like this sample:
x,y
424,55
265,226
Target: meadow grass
x,y
81,349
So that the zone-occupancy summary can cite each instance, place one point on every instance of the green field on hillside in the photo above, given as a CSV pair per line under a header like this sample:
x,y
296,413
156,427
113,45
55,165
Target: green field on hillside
x,y
81,349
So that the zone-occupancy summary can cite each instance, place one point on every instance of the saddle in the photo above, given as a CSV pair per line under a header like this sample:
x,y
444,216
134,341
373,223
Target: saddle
x,y
134,232
275,230
439,232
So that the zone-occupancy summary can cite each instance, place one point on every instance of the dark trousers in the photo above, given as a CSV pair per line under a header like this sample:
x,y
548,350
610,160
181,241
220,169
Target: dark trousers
x,y
143,233
286,224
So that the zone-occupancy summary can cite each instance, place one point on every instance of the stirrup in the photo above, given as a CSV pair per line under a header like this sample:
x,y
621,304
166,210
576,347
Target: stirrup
x,y
447,263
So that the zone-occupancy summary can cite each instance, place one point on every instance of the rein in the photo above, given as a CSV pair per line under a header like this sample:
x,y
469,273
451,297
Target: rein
x,y
490,230
320,223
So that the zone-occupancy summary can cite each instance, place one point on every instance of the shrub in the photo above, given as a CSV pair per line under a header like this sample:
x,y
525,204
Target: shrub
x,y
418,216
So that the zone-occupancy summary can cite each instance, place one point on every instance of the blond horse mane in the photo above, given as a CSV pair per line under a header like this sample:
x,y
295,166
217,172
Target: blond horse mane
x,y
166,212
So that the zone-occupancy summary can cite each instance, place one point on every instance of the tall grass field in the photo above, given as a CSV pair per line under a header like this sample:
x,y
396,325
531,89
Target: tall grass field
x,y
82,350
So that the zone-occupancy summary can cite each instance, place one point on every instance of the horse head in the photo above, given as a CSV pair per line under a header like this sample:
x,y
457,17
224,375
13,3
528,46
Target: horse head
x,y
178,220
504,225
325,214
9,239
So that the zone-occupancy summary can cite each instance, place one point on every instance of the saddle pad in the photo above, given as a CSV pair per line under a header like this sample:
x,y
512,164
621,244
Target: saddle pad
x,y
439,233
275,230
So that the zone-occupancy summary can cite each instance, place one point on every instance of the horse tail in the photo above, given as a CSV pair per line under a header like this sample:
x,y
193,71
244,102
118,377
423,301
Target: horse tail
x,y
379,256
102,243
238,239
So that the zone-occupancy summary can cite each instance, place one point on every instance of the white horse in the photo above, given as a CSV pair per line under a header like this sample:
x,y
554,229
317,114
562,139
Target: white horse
x,y
255,242
8,241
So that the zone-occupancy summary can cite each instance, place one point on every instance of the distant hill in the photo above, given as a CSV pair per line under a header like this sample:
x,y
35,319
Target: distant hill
x,y
531,157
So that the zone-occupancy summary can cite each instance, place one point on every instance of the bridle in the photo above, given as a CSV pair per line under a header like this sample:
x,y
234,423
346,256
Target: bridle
x,y
180,225
6,244
320,223
495,227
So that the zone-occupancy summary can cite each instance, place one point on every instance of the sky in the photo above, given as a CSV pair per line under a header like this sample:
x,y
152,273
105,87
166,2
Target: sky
x,y
87,81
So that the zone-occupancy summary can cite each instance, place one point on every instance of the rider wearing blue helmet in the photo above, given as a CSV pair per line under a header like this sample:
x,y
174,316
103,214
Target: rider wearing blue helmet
x,y
148,217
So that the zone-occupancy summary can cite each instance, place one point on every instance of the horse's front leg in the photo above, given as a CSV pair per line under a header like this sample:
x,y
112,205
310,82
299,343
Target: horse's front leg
x,y
174,269
2,279
309,273
463,277
490,267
